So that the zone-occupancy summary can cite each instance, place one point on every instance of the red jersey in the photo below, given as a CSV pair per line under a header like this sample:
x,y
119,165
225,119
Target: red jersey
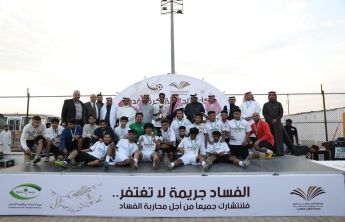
x,y
262,131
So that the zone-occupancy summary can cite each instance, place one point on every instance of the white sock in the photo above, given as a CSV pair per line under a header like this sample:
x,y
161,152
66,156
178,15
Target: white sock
x,y
203,163
172,164
240,163
107,159
269,151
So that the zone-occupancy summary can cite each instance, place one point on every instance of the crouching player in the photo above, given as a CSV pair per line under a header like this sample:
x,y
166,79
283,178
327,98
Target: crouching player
x,y
126,153
92,156
148,145
191,147
219,152
264,140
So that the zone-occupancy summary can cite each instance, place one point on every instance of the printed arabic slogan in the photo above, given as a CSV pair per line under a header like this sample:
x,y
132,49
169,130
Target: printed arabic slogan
x,y
177,199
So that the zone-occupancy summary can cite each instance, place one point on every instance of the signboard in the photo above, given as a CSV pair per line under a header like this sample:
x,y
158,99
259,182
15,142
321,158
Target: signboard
x,y
339,153
172,196
172,84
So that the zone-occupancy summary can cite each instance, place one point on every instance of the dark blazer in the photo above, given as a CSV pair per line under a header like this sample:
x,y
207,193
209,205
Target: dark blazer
x,y
88,110
68,110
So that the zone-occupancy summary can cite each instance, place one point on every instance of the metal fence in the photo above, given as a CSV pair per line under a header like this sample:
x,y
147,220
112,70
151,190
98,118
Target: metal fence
x,y
305,109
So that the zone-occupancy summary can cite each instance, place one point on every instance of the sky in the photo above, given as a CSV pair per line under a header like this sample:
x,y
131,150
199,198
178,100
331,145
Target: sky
x,y
53,47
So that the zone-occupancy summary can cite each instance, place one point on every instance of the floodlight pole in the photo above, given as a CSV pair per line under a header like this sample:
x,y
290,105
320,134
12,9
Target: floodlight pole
x,y
176,6
172,39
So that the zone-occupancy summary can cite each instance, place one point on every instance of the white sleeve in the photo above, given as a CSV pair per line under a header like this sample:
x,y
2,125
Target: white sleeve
x,y
118,113
202,148
248,128
140,139
135,148
172,136
84,131
23,137
188,123
155,108
242,108
225,147
257,107
93,147
10,139
119,143
205,128
47,134
182,143
227,127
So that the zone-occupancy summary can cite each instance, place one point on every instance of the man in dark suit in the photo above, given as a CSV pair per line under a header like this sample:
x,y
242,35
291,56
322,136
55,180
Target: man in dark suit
x,y
231,107
91,108
193,108
72,109
99,101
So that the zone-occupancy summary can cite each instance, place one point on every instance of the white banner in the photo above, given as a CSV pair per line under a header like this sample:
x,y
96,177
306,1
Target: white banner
x,y
172,84
172,196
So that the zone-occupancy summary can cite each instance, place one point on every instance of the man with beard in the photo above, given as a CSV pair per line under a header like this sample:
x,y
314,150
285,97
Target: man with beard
x,y
193,108
273,112
263,141
231,107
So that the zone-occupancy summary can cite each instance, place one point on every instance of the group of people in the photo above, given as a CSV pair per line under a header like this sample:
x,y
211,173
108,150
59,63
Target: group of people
x,y
95,134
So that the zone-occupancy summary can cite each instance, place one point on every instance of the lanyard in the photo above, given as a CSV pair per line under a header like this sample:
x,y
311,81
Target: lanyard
x,y
130,148
238,126
149,140
55,132
180,123
122,132
213,125
165,135
73,133
193,142
250,103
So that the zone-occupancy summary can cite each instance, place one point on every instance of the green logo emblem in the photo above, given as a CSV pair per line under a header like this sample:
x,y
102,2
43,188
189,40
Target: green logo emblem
x,y
26,191
312,192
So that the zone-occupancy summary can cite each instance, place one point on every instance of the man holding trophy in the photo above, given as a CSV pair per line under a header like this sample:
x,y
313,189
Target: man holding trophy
x,y
159,112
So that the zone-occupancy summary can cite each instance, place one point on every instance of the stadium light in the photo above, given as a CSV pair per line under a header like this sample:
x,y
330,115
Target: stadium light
x,y
176,7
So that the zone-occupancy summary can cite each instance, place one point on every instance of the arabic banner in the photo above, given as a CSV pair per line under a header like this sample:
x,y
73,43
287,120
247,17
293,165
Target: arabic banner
x,y
172,84
172,196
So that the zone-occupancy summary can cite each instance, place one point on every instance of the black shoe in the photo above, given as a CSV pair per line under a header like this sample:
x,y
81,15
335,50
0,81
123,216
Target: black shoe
x,y
106,165
36,160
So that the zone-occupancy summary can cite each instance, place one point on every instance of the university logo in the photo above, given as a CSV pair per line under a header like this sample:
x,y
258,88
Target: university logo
x,y
156,87
180,85
312,192
26,191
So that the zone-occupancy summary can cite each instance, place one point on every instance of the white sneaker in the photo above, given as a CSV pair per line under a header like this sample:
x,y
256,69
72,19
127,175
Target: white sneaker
x,y
167,163
246,161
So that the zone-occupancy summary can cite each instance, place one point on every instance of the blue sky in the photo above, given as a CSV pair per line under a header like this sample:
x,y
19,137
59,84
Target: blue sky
x,y
237,46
